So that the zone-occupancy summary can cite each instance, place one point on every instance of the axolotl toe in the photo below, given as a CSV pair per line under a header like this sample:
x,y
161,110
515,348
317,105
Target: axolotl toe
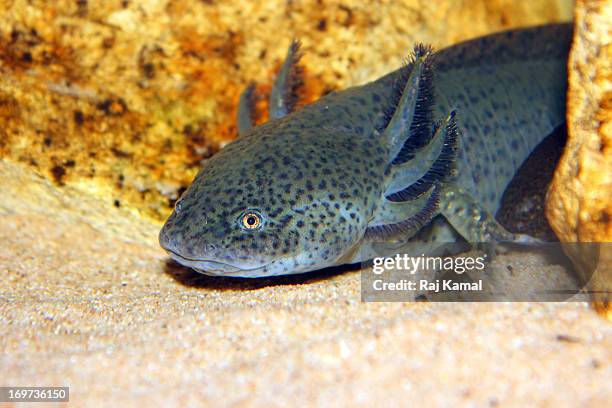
x,y
420,156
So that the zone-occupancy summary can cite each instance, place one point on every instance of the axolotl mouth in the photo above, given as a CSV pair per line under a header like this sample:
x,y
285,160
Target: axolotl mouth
x,y
215,268
207,267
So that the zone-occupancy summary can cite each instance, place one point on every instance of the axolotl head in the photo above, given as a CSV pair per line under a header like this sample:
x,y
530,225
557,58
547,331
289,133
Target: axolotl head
x,y
266,206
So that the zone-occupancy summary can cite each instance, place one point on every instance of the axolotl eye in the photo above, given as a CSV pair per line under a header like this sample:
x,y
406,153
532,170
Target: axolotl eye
x,y
251,220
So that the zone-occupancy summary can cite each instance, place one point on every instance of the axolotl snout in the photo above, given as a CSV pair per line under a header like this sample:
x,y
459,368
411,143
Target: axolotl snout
x,y
418,157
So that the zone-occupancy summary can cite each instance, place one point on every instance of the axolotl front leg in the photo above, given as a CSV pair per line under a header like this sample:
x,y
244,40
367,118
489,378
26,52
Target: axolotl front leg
x,y
472,221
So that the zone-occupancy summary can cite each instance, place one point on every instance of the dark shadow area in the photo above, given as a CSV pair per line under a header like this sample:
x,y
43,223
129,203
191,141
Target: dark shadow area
x,y
189,277
523,204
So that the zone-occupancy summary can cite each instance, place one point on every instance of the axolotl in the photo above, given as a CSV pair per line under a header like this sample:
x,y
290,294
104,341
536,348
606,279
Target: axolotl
x,y
415,159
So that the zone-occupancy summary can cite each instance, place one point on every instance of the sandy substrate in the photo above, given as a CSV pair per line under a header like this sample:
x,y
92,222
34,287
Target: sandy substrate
x,y
116,321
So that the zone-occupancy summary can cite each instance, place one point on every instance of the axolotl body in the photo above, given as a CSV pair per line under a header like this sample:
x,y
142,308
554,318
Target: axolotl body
x,y
417,158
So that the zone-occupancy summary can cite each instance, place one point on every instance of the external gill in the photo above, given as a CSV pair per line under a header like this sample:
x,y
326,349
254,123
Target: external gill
x,y
405,218
284,95
246,110
410,124
390,212
420,159
440,171
427,163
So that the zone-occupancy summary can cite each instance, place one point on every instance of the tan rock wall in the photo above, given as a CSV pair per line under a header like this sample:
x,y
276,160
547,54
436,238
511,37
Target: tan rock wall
x,y
580,201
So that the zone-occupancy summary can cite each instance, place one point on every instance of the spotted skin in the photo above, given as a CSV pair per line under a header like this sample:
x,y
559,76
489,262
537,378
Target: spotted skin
x,y
317,178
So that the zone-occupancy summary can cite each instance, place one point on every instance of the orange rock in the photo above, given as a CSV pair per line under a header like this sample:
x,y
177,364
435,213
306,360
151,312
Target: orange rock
x,y
580,200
